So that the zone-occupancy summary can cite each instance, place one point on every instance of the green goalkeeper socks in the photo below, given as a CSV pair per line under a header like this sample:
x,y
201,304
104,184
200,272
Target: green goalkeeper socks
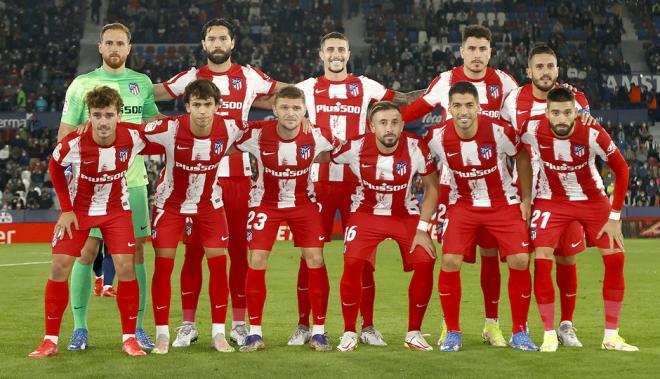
x,y
141,274
81,290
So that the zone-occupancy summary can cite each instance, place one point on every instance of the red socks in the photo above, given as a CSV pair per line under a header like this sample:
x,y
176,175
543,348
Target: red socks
x,y
419,294
490,284
318,294
128,300
566,276
191,280
614,286
304,307
520,288
449,287
544,291
161,290
255,293
218,288
55,301
350,291
368,297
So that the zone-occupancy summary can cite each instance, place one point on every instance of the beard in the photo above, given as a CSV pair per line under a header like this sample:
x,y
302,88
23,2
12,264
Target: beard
x,y
114,63
538,83
389,141
343,66
218,58
561,133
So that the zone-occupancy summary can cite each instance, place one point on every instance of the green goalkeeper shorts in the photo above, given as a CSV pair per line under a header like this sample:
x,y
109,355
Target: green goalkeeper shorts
x,y
137,198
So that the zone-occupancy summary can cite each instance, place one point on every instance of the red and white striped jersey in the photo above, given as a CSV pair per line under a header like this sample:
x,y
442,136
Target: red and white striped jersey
x,y
385,180
568,165
284,165
342,107
478,165
521,104
98,184
492,88
239,87
189,180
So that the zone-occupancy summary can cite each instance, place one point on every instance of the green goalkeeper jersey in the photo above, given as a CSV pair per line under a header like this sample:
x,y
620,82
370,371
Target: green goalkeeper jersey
x,y
136,91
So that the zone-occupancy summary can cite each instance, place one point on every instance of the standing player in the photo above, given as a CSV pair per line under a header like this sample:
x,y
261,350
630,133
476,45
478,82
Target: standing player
x,y
239,87
474,148
136,92
521,104
492,85
284,192
385,163
97,196
187,189
339,101
569,188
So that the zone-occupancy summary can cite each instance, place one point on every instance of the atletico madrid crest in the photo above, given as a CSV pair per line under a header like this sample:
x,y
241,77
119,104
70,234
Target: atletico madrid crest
x,y
217,147
123,155
305,152
354,89
237,83
134,88
494,91
486,152
578,150
401,168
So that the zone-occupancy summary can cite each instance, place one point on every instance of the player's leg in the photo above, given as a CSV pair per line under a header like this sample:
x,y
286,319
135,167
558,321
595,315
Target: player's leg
x,y
137,197
81,290
593,217
570,244
166,231
98,272
191,285
490,286
544,292
109,272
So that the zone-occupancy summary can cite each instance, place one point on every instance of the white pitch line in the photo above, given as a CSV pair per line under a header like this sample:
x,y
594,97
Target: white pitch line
x,y
24,264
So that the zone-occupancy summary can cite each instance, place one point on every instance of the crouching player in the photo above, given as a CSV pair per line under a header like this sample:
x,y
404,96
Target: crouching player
x,y
569,189
384,206
96,197
284,193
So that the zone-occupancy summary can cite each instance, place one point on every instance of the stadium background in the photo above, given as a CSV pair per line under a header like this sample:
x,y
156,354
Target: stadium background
x,y
609,50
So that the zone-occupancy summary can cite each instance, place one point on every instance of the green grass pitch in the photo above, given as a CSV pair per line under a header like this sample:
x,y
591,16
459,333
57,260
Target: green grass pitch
x,y
21,327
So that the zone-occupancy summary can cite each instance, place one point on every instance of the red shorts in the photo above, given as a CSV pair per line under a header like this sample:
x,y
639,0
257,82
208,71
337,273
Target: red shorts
x,y
304,222
117,229
210,227
571,242
464,223
334,196
365,231
554,217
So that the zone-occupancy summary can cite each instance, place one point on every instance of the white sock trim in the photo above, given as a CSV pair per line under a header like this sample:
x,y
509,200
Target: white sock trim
x,y
124,337
55,339
217,328
318,329
163,329
256,330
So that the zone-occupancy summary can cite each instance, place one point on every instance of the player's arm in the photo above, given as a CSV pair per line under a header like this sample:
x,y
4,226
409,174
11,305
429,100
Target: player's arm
x,y
524,169
429,202
617,163
161,93
63,156
404,98
64,130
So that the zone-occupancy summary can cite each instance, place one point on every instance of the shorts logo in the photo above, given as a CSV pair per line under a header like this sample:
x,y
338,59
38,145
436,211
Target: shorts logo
x,y
153,233
578,150
237,83
486,152
134,88
401,168
249,235
217,147
188,229
123,155
494,91
532,233
354,89
305,152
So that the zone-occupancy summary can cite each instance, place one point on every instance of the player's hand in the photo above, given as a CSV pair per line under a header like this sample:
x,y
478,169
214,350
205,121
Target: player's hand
x,y
525,209
64,224
613,230
82,128
569,87
307,126
424,240
587,119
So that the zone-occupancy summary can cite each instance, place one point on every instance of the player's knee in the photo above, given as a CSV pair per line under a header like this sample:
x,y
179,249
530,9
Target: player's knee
x,y
258,261
124,268
543,253
566,261
60,270
314,260
88,254
518,261
451,262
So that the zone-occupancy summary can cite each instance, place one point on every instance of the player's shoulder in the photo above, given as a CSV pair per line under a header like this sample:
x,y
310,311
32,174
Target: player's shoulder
x,y
138,76
307,84
535,121
504,76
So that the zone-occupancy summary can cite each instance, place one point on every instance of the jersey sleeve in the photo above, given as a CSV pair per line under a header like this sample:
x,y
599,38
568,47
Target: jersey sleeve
x,y
582,103
375,90
234,131
67,151
508,82
424,159
177,84
508,140
161,131
74,104
508,111
263,84
324,140
427,102
149,108
348,152
602,144
249,141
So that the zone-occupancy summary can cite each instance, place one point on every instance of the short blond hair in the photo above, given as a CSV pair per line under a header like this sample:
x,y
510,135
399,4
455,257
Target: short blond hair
x,y
115,26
